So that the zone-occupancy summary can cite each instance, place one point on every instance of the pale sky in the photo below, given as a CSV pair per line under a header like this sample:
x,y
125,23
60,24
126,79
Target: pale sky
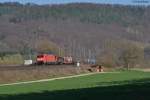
x,y
124,2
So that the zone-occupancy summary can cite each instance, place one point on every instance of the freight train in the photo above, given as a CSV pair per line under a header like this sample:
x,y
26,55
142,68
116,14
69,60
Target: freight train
x,y
53,59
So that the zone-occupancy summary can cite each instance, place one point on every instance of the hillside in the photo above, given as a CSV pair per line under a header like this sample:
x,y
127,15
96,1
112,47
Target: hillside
x,y
82,30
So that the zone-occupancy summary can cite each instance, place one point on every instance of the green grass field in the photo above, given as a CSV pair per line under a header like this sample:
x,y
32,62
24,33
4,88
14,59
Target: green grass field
x,y
131,85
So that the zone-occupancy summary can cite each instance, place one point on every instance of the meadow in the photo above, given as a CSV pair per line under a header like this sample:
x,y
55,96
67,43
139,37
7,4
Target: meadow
x,y
127,85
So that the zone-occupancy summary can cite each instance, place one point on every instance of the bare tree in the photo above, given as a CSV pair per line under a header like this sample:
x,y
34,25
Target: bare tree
x,y
131,55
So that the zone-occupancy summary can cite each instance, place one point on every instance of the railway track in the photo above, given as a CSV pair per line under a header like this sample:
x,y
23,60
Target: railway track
x,y
32,67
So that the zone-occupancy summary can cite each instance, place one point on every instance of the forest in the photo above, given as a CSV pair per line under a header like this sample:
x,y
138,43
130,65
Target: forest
x,y
114,35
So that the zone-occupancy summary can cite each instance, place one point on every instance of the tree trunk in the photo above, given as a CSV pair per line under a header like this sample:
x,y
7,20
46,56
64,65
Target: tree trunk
x,y
128,66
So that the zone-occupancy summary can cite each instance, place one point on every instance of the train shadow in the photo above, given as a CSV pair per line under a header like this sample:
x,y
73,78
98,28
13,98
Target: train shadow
x,y
133,90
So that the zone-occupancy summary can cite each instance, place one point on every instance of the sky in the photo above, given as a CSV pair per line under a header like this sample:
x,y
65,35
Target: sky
x,y
124,2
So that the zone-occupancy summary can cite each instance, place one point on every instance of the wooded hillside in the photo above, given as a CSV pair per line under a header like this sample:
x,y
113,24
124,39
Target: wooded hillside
x,y
82,30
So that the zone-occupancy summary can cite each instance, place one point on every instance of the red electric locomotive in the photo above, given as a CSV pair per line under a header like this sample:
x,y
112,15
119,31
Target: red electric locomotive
x,y
49,59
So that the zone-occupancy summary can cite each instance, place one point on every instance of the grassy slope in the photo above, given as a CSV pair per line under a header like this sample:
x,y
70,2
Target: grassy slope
x,y
98,80
119,86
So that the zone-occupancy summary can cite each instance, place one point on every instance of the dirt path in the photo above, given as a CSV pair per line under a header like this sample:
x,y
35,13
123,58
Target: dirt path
x,y
52,79
142,69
